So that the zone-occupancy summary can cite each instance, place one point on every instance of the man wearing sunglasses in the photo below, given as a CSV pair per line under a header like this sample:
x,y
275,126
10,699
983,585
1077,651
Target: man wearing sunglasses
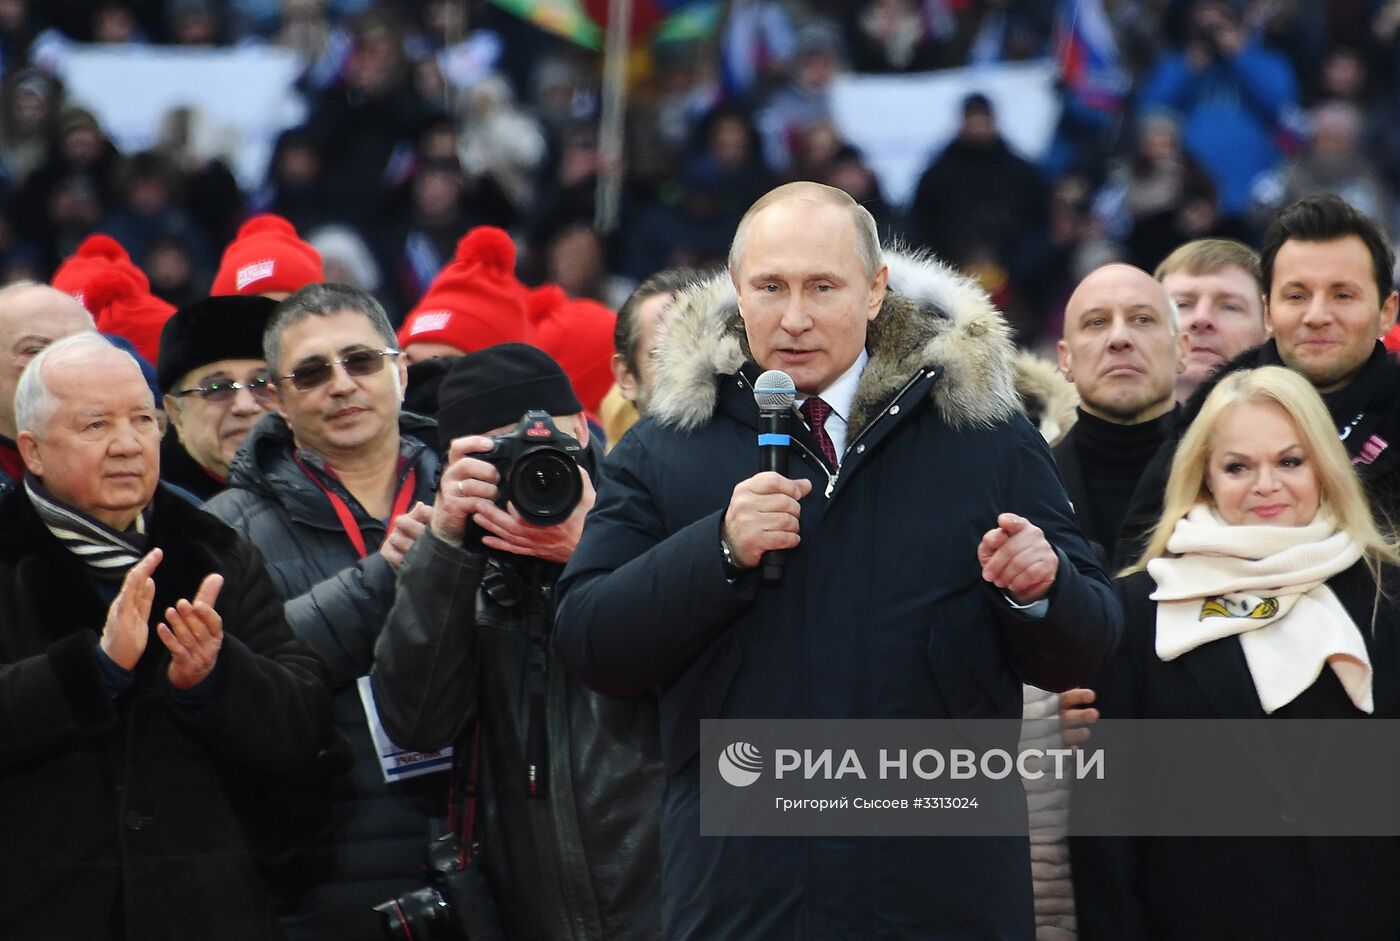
x,y
333,485
216,384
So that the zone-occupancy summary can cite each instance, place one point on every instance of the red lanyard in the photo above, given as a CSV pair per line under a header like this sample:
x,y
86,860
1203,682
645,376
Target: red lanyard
x,y
347,519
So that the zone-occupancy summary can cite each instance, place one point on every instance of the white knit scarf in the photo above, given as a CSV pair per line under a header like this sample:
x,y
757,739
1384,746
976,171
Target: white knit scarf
x,y
1267,585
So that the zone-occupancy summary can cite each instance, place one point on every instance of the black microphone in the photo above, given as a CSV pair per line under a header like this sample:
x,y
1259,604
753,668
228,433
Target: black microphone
x,y
774,392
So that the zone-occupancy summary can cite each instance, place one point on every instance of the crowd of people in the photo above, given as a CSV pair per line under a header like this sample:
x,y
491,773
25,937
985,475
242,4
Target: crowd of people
x,y
1204,117
302,636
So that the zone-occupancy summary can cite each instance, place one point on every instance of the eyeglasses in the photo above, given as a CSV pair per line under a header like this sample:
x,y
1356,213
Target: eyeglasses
x,y
318,371
225,390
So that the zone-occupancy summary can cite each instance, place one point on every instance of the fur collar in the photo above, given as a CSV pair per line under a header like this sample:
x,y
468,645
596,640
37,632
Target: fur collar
x,y
1048,397
931,316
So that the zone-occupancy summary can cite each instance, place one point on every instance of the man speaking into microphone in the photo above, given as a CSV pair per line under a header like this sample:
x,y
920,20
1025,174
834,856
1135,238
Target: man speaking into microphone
x,y
931,563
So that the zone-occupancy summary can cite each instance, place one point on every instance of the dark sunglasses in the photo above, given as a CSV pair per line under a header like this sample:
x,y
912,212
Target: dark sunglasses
x,y
224,391
316,372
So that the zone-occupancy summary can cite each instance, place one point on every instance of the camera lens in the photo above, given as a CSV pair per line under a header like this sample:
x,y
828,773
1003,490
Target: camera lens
x,y
545,486
415,914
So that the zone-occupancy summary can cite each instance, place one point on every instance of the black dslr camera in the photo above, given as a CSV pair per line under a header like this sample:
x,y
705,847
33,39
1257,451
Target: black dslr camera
x,y
456,902
538,465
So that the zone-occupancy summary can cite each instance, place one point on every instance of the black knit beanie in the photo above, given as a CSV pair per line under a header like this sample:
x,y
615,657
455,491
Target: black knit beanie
x,y
496,386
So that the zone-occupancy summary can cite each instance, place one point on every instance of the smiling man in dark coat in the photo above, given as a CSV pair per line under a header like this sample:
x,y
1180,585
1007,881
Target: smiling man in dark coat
x,y
323,487
932,564
152,696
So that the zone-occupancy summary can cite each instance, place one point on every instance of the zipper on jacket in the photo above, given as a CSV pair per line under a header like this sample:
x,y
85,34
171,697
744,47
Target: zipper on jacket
x,y
830,478
833,478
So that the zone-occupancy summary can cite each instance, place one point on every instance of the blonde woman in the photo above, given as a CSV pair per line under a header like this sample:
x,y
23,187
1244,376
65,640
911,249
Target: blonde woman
x,y
1257,596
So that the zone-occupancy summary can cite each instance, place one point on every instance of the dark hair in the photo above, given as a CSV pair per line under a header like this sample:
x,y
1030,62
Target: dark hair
x,y
148,165
322,299
1327,219
628,332
976,103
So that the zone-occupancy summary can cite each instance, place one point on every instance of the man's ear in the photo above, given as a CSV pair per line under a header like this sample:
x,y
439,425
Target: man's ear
x,y
174,412
276,388
1063,357
1388,310
580,429
877,292
29,451
1268,320
626,382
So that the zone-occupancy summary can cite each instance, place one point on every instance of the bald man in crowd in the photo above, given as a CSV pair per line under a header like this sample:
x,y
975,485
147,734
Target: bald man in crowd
x,y
31,317
1120,351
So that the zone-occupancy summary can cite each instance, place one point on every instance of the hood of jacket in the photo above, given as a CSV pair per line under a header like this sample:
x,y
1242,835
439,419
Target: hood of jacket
x,y
931,317
1049,399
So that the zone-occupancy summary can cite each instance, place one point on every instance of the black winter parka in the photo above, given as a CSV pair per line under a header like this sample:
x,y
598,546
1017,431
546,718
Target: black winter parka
x,y
882,613
581,861
143,798
337,603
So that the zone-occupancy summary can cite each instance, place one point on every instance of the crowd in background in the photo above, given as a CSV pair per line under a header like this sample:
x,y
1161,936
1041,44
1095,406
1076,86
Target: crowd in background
x,y
1230,110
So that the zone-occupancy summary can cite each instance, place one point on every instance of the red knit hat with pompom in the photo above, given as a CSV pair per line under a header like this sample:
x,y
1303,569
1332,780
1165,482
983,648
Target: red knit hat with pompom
x,y
267,255
101,275
475,301
579,335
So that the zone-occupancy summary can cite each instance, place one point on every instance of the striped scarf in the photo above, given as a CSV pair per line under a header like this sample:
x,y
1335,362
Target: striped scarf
x,y
106,552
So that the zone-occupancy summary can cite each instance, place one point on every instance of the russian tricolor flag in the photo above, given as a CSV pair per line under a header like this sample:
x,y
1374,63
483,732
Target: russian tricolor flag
x,y
585,21
1088,56
646,15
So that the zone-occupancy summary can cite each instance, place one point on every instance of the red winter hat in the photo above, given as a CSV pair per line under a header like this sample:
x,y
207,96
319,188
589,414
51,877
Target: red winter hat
x,y
475,301
579,334
1392,339
100,274
267,255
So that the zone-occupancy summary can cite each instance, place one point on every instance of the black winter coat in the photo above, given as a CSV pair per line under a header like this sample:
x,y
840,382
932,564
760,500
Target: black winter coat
x,y
882,613
973,199
1066,454
1237,888
178,468
337,603
141,817
581,863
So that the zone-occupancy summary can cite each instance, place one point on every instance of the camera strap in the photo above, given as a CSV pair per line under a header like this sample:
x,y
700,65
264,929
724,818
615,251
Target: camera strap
x,y
347,517
539,616
462,794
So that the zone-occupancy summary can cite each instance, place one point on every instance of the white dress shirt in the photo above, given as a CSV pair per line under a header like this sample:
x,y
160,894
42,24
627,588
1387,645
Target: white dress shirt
x,y
839,395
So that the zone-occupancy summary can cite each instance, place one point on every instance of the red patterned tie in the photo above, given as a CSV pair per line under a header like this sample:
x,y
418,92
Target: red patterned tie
x,y
816,411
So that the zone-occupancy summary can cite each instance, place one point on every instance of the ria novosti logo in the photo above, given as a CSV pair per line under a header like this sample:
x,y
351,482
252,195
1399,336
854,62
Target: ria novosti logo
x,y
740,764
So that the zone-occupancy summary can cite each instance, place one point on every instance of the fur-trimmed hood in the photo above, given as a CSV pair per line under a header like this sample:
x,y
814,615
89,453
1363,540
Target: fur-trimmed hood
x,y
1050,400
932,316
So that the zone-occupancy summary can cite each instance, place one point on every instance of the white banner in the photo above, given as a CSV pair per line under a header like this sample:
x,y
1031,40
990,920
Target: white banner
x,y
900,122
244,96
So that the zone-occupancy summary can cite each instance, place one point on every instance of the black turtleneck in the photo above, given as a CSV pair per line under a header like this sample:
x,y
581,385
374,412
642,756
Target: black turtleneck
x,y
1112,458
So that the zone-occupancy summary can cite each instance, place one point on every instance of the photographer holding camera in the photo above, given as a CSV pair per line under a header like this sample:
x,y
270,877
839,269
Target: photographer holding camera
x,y
1236,99
567,784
